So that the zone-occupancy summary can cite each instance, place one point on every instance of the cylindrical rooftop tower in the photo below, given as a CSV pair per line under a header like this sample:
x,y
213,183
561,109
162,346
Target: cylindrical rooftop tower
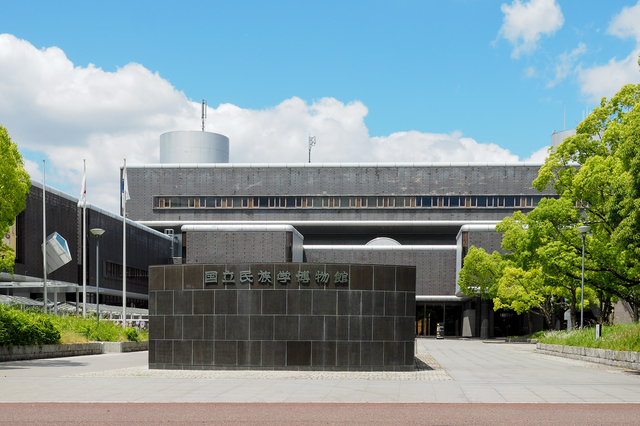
x,y
558,137
188,146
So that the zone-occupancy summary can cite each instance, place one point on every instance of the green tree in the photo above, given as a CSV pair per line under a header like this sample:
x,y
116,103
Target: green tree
x,y
532,275
480,273
14,186
596,173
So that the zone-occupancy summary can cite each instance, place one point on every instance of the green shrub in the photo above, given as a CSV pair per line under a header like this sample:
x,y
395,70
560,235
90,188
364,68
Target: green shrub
x,y
132,334
107,331
26,328
33,327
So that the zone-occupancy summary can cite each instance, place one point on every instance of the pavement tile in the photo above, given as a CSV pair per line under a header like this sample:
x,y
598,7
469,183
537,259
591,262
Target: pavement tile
x,y
461,371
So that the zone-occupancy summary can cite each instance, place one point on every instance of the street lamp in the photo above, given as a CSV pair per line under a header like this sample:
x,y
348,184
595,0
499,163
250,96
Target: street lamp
x,y
583,232
97,232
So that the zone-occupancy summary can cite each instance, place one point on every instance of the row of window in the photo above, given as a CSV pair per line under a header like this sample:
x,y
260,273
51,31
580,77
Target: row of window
x,y
114,270
344,202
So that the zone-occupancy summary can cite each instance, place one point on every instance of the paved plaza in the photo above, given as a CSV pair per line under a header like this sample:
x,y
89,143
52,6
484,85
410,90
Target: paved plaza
x,y
454,371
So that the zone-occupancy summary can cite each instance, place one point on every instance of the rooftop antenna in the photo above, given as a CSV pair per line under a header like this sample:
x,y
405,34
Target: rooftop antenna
x,y
312,143
565,117
204,112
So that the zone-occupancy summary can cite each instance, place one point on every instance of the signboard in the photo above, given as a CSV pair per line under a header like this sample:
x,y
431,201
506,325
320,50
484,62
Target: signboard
x,y
10,237
283,277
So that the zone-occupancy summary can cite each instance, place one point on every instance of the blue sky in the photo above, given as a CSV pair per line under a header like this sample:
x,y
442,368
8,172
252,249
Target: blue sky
x,y
395,80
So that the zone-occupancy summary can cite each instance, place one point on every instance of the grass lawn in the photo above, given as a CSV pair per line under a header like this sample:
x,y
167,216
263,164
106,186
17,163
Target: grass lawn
x,y
622,337
76,329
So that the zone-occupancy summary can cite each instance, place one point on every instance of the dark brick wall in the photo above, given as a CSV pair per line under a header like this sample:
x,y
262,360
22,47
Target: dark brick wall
x,y
233,247
435,269
62,217
237,180
364,324
489,241
144,247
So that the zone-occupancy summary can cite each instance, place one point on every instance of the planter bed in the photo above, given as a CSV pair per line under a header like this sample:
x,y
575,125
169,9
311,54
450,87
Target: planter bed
x,y
17,353
625,359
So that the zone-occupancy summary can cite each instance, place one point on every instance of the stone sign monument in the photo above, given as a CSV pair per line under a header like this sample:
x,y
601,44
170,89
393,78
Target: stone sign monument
x,y
289,316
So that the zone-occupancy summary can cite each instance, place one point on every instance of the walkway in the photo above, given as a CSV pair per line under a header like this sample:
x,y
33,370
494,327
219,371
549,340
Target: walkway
x,y
472,371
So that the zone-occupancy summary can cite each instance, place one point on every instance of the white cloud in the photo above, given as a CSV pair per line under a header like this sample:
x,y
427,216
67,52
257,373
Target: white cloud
x,y
538,156
524,23
70,113
33,169
530,72
417,146
565,64
605,80
627,23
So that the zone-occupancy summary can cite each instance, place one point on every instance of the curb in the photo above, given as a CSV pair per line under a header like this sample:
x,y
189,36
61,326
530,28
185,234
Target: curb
x,y
625,359
520,340
18,353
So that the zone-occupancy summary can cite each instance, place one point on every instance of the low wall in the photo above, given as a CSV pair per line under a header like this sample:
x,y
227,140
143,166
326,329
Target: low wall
x,y
17,353
625,359
125,346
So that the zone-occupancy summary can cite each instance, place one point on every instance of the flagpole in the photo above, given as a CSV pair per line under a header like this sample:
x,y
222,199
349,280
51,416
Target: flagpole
x,y
84,241
44,240
125,191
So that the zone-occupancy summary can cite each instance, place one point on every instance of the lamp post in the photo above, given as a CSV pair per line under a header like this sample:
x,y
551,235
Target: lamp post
x,y
583,232
97,232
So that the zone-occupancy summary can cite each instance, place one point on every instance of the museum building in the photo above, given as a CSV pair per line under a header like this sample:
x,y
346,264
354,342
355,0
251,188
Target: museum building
x,y
65,283
424,215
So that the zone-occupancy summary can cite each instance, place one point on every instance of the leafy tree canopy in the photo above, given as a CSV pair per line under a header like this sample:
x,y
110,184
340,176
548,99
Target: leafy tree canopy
x,y
14,186
596,174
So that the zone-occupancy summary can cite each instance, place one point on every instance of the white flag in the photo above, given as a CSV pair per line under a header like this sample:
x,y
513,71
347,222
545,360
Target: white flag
x,y
125,185
83,190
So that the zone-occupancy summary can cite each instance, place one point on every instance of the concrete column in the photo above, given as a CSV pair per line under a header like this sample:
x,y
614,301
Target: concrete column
x,y
484,319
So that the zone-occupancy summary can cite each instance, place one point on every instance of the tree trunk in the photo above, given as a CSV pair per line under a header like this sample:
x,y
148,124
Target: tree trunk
x,y
635,312
530,318
548,316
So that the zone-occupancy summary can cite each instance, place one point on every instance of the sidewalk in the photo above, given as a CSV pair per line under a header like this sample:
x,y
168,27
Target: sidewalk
x,y
472,371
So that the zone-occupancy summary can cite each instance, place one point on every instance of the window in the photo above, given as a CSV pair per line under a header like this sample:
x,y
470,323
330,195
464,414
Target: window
x,y
468,201
386,202
197,202
440,201
330,202
304,202
358,202
217,202
114,270
411,201
277,202
251,202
